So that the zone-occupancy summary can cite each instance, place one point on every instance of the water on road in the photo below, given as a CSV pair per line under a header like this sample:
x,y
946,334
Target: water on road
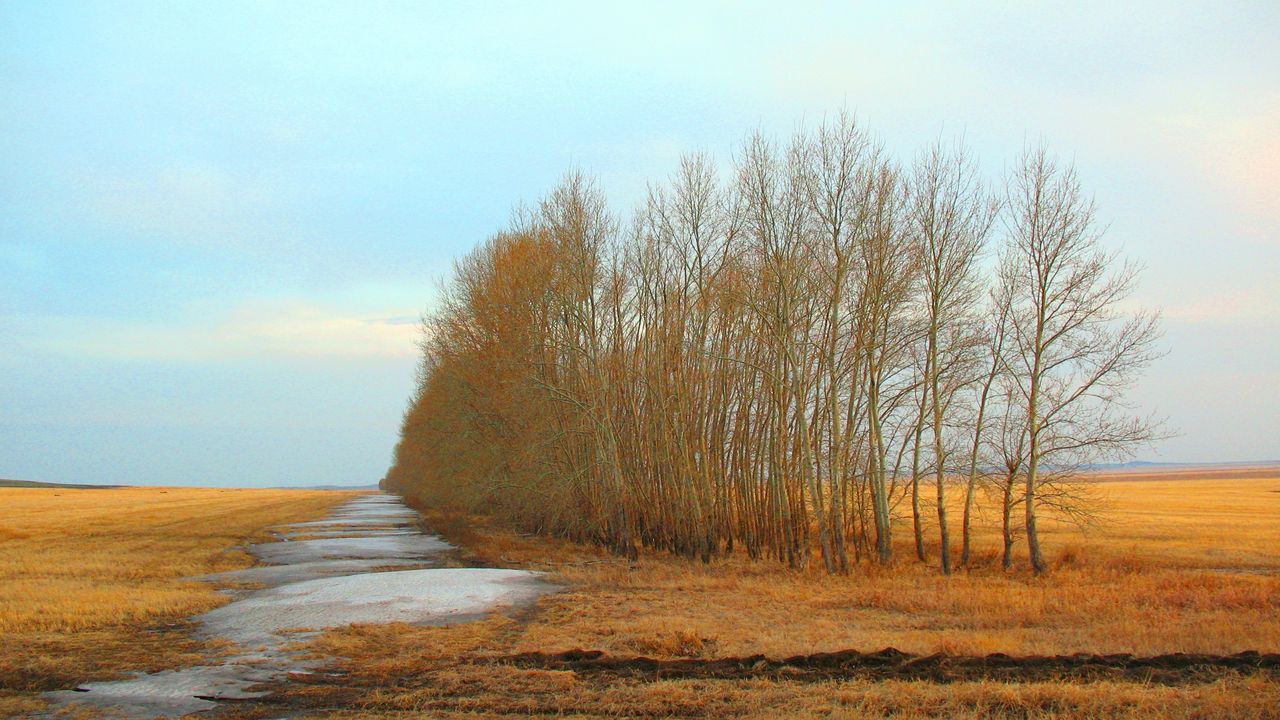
x,y
367,563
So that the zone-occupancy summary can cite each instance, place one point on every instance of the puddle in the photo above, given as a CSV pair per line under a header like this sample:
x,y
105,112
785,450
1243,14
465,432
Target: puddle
x,y
367,563
414,596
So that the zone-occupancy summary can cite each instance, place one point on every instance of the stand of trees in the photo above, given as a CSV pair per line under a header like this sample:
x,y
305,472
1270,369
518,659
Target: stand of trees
x,y
790,359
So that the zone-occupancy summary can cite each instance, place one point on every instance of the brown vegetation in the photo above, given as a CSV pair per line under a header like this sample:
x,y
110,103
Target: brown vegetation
x,y
93,582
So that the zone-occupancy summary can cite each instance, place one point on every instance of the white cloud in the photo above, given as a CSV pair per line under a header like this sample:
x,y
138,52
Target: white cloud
x,y
260,328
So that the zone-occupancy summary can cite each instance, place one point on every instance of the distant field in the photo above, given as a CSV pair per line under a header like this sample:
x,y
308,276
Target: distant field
x,y
91,580
64,486
1219,519
1190,472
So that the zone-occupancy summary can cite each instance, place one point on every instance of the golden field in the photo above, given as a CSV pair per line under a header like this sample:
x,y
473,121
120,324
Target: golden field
x,y
92,581
1176,564
92,587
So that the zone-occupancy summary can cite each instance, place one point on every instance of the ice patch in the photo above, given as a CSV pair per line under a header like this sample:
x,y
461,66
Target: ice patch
x,y
413,596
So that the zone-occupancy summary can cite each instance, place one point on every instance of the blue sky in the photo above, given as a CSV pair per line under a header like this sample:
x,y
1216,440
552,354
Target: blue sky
x,y
220,221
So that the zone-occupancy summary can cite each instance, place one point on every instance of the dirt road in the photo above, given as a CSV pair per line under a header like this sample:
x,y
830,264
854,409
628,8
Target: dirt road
x,y
370,562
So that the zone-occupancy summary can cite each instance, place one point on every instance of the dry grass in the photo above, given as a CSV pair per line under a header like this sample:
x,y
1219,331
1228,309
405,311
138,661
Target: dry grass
x,y
1180,565
91,581
399,671
1177,566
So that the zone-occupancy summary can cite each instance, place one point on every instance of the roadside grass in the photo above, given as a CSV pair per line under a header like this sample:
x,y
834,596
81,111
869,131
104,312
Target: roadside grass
x,y
1177,566
1182,566
91,581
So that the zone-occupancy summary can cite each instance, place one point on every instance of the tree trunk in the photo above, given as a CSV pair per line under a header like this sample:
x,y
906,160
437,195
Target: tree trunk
x,y
1007,561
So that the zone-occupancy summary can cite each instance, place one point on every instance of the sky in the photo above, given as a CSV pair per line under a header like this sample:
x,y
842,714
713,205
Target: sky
x,y
220,222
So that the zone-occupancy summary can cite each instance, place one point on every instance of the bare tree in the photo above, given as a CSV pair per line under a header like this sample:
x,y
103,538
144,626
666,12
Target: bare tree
x,y
889,264
994,333
952,215
835,185
1071,353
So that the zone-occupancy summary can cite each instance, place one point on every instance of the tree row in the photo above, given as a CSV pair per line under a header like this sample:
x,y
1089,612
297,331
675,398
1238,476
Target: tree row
x,y
794,357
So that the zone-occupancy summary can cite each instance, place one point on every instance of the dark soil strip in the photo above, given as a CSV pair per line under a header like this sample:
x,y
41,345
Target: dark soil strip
x,y
1174,669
